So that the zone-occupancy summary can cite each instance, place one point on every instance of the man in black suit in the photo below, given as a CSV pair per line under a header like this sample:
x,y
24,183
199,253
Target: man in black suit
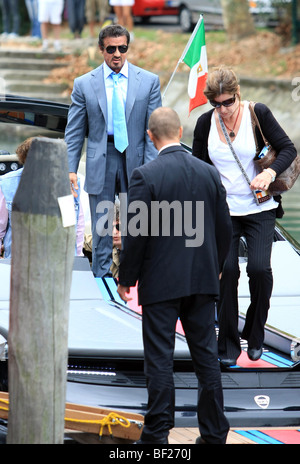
x,y
176,257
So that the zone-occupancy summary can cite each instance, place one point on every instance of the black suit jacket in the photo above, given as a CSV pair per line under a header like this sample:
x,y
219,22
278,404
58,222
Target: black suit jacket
x,y
160,260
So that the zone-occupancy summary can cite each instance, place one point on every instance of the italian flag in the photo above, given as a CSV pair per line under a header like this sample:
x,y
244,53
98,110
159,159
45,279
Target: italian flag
x,y
196,58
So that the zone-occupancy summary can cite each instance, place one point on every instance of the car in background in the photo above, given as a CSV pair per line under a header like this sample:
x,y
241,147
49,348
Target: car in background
x,y
145,9
188,12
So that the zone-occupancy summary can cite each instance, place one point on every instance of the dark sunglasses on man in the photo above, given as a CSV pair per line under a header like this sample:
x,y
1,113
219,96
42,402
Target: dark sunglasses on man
x,y
226,103
112,49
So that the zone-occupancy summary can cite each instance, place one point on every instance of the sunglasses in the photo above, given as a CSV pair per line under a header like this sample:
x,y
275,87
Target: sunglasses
x,y
112,48
226,103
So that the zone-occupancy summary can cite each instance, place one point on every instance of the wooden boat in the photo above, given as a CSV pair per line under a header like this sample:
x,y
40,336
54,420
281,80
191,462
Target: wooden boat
x,y
88,419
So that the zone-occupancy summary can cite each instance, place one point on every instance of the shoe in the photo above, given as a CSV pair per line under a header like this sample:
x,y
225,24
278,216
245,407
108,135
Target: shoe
x,y
45,45
227,362
162,441
254,353
200,441
57,46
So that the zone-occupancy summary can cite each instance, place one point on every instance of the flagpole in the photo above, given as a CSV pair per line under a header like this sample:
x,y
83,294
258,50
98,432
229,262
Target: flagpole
x,y
184,52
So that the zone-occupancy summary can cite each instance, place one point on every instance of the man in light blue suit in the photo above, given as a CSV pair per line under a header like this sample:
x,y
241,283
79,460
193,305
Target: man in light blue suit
x,y
108,169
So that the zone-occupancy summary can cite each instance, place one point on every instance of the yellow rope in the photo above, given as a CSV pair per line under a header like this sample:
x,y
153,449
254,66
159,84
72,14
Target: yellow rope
x,y
5,402
110,420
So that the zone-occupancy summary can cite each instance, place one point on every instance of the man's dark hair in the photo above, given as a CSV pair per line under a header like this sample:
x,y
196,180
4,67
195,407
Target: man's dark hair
x,y
113,30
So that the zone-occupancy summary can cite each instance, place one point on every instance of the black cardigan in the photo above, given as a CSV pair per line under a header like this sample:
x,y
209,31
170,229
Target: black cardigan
x,y
273,132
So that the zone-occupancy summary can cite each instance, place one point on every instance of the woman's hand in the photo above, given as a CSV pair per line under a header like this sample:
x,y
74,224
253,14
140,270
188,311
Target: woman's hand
x,y
262,180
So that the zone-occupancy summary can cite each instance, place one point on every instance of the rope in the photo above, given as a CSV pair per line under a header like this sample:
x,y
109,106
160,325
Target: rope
x,y
5,402
108,421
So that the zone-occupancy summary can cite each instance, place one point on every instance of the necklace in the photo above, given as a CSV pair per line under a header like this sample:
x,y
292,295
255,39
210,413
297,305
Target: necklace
x,y
232,133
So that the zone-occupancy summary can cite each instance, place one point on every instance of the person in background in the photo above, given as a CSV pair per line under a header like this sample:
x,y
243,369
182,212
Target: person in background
x,y
8,186
253,211
76,16
92,8
32,8
178,276
111,155
10,18
50,13
122,9
117,243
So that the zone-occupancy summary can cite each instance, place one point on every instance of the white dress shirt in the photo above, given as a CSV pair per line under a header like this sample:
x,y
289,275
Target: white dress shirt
x,y
109,90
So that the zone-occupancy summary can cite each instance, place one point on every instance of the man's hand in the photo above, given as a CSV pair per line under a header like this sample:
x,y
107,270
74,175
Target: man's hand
x,y
122,290
73,183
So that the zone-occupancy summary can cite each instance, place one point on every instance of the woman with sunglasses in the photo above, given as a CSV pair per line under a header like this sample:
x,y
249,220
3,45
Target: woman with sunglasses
x,y
224,137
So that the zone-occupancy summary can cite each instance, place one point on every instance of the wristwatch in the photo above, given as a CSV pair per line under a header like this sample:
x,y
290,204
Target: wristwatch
x,y
273,176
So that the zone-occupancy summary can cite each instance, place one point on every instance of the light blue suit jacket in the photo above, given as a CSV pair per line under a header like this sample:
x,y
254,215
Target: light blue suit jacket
x,y
88,111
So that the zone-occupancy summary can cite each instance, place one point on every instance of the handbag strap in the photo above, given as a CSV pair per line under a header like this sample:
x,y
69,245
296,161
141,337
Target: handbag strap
x,y
235,156
255,122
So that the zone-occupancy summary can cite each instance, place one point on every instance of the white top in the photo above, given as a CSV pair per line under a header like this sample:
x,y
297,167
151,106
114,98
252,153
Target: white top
x,y
121,2
239,195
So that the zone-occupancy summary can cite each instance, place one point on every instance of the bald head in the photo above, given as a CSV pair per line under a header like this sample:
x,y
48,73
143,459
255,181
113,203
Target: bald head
x,y
164,126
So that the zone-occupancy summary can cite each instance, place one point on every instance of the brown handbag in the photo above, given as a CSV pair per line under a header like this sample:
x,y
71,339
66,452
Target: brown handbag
x,y
287,178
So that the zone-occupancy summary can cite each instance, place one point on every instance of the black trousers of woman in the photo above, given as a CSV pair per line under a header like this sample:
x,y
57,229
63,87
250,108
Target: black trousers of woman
x,y
197,314
258,229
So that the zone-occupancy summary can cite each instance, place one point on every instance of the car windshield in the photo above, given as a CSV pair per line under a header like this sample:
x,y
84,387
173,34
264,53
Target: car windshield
x,y
21,118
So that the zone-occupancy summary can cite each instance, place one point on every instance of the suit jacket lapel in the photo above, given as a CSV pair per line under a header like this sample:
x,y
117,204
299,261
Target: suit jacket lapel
x,y
134,80
97,83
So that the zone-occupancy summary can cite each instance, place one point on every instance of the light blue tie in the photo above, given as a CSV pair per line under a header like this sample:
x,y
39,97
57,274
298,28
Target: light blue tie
x,y
118,113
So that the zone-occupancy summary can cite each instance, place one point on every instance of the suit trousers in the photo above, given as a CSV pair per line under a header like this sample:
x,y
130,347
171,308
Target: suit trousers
x,y
258,229
197,314
102,210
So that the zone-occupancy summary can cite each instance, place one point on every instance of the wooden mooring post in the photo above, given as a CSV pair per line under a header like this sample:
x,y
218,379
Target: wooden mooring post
x,y
43,247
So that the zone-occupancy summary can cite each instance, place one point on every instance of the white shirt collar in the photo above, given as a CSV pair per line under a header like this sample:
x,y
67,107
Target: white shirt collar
x,y
107,70
169,145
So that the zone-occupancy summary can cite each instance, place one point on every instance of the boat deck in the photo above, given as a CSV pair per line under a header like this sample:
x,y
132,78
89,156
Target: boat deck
x,y
187,436
238,436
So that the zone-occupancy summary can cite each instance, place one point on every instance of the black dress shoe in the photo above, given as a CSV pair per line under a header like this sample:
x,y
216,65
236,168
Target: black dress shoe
x,y
162,441
254,353
227,362
200,441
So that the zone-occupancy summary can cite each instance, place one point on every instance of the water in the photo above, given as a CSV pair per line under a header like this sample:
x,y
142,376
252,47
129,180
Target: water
x,y
11,135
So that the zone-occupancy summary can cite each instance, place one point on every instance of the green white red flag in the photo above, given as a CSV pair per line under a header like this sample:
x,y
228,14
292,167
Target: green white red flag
x,y
195,57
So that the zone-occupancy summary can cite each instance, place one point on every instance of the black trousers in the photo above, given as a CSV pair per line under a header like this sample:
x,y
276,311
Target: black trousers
x,y
258,230
197,314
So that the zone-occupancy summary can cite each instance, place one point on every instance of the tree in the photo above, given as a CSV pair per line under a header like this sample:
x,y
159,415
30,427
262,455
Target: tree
x,y
237,19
